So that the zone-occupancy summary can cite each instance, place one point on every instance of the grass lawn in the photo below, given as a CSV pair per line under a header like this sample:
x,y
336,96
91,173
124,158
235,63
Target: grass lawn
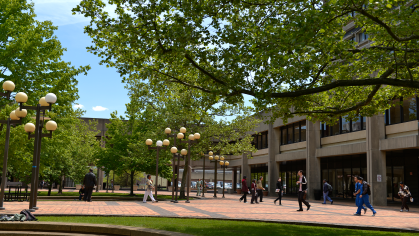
x,y
217,227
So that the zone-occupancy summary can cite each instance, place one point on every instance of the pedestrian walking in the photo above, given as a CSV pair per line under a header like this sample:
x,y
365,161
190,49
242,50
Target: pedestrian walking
x,y
364,198
279,191
357,193
245,190
327,188
149,190
89,182
198,187
302,192
253,189
82,191
260,189
405,196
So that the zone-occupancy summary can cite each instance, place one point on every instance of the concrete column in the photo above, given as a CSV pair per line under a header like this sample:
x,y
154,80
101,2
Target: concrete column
x,y
273,147
234,178
246,168
312,162
376,160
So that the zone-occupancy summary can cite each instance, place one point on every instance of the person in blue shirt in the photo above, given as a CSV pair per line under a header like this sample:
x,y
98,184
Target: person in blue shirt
x,y
358,189
364,197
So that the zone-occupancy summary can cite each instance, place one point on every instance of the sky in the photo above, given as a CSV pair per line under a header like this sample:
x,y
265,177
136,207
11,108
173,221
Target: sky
x,y
101,91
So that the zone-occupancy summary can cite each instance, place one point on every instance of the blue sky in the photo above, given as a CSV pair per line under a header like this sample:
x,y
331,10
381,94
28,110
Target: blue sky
x,y
101,91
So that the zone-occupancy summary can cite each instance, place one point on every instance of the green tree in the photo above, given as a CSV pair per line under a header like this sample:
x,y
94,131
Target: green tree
x,y
290,56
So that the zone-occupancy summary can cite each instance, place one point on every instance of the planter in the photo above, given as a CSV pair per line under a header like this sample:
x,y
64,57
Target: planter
x,y
116,187
169,188
78,186
265,193
239,191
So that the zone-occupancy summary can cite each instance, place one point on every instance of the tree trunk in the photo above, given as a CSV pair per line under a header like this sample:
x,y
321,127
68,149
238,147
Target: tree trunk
x,y
60,190
132,183
184,179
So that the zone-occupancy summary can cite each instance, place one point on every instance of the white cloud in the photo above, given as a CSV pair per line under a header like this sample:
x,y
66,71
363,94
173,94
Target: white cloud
x,y
77,106
99,108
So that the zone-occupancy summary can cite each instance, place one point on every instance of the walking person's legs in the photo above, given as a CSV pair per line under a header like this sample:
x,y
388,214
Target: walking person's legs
x,y
253,197
300,200
260,193
405,200
366,200
151,195
324,197
145,196
328,198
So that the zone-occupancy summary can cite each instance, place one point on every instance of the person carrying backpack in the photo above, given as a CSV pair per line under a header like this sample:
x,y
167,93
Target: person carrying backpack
x,y
364,198
327,188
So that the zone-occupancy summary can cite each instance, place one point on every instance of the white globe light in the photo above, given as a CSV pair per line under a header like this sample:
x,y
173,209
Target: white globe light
x,y
216,157
210,153
211,157
183,130
21,97
50,98
180,136
29,128
167,130
222,158
51,125
21,113
191,137
13,116
173,150
159,143
149,142
166,142
197,136
221,162
8,86
227,163
43,102
184,152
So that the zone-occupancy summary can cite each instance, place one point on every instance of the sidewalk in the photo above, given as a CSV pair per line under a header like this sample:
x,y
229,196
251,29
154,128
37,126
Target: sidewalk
x,y
230,208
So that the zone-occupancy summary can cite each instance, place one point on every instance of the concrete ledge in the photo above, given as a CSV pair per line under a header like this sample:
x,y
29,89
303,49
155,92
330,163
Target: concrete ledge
x,y
53,228
290,156
293,146
399,143
342,139
342,150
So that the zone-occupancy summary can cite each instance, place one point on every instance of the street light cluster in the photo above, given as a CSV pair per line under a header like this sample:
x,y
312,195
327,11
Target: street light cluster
x,y
15,116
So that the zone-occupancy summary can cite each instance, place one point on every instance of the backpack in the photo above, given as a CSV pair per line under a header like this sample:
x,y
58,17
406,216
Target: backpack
x,y
369,187
29,215
329,187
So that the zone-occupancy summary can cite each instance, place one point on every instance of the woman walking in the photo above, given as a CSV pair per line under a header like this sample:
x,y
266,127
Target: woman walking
x,y
405,196
253,189
279,190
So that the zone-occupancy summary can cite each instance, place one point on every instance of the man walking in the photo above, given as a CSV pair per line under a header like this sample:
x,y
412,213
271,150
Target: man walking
x,y
326,190
364,197
149,190
89,183
302,182
260,189
198,187
358,189
245,190
405,196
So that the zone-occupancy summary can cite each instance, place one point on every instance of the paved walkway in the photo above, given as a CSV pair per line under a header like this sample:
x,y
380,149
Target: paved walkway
x,y
231,208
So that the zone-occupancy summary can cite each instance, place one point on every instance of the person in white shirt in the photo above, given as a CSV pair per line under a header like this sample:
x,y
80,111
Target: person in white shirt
x,y
149,190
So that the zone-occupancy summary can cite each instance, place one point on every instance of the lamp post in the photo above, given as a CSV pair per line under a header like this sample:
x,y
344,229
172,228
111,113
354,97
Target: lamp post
x,y
192,139
215,159
45,103
203,176
174,150
224,165
159,146
14,119
182,154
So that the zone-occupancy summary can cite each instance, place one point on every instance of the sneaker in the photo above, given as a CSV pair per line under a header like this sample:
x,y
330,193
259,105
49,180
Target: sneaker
x,y
331,202
356,214
365,210
244,202
260,201
374,213
401,210
274,202
300,210
240,200
308,208
407,210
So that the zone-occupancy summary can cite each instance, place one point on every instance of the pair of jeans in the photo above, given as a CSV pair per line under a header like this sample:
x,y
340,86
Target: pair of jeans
x,y
80,197
260,193
279,197
148,192
365,199
254,197
301,200
88,193
326,197
405,200
244,197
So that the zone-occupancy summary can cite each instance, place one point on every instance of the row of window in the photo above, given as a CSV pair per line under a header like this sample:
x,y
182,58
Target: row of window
x,y
344,125
361,37
260,141
293,133
408,111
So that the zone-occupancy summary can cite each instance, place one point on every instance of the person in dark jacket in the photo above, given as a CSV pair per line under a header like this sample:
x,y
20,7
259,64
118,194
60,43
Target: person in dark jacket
x,y
279,187
253,189
405,196
302,183
326,191
245,190
89,182
364,197
81,192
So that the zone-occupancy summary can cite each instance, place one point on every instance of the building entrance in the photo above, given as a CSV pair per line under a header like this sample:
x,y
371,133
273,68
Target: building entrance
x,y
288,172
339,171
402,165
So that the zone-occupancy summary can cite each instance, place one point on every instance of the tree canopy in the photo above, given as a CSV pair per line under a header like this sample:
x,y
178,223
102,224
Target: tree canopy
x,y
292,57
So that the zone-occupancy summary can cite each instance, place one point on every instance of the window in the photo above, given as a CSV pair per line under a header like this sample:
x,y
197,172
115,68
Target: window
x,y
293,133
353,39
260,140
408,111
362,37
342,126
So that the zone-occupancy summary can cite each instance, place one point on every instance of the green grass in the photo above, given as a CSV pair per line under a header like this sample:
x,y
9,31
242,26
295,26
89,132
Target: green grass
x,y
217,227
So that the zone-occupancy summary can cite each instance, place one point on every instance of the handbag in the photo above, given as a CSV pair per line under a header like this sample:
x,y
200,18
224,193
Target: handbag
x,y
277,190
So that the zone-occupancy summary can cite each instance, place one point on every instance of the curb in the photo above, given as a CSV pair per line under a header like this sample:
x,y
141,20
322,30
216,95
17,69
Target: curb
x,y
291,222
